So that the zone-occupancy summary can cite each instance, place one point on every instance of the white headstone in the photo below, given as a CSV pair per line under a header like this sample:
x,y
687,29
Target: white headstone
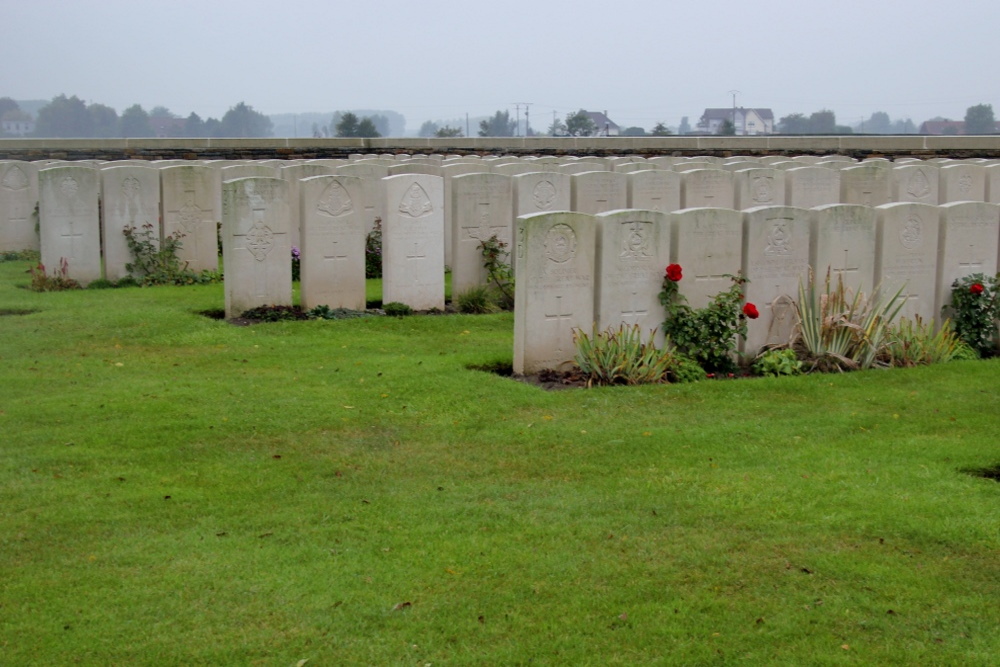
x,y
654,190
843,243
69,225
18,206
707,187
553,288
758,187
866,184
293,173
256,251
914,183
807,187
598,191
633,250
775,260
962,182
968,240
332,259
371,176
906,256
130,197
413,241
708,245
191,208
481,207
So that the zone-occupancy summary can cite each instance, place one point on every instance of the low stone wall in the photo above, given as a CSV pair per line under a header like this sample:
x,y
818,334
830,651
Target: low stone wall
x,y
857,146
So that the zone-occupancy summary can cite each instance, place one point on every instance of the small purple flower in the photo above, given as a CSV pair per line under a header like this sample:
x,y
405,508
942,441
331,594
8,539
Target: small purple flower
x,y
295,252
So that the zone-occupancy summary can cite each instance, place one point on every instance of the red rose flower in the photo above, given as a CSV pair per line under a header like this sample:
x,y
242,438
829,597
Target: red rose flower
x,y
750,311
975,288
674,272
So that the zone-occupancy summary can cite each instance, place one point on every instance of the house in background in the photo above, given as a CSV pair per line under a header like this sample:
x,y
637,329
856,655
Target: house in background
x,y
17,123
748,122
605,126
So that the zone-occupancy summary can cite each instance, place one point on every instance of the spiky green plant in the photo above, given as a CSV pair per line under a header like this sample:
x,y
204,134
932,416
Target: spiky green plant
x,y
839,330
915,343
618,355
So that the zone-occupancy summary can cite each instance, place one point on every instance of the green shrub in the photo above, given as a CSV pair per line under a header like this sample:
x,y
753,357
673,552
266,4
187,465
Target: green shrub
x,y
478,300
20,256
397,309
776,362
324,312
706,335
913,343
975,305
496,261
684,369
59,280
274,314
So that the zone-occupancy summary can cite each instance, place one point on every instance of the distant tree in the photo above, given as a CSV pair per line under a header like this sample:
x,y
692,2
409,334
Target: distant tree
x,y
822,122
878,123
213,128
727,128
633,132
795,123
428,129
103,120
557,128
381,125
194,126
242,121
580,124
160,111
448,132
980,120
903,127
64,117
8,104
349,125
368,128
661,130
500,125
135,123
684,127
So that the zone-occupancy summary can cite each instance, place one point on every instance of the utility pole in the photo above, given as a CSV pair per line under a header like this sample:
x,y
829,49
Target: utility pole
x,y
526,105
734,93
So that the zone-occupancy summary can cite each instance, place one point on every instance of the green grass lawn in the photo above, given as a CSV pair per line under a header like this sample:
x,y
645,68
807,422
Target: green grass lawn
x,y
175,490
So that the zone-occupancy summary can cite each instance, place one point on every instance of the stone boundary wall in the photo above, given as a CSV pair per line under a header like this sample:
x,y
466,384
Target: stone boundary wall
x,y
857,146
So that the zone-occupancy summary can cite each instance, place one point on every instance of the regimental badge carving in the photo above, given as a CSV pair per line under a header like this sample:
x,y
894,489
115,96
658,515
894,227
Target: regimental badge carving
x,y
965,184
15,179
560,244
762,190
260,238
911,233
544,195
68,186
415,202
778,238
335,201
636,240
918,186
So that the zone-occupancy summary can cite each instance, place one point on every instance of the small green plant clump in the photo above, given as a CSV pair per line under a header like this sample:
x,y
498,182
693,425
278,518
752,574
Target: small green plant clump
x,y
975,303
373,251
618,355
296,264
57,281
20,256
706,335
915,343
777,362
500,276
325,312
396,309
477,300
274,314
154,263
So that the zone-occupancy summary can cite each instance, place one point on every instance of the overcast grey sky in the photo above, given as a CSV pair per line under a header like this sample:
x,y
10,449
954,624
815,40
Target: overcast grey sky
x,y
643,61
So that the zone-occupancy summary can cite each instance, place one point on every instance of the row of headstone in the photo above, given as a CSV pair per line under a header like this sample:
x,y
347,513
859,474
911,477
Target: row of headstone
x,y
576,271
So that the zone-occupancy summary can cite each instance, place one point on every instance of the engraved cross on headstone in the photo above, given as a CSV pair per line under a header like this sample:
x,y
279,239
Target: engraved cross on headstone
x,y
72,240
846,268
417,252
973,265
333,255
558,318
633,316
